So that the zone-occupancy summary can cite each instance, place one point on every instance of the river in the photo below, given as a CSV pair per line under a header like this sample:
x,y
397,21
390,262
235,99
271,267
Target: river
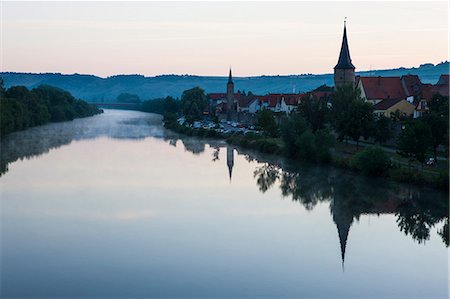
x,y
116,206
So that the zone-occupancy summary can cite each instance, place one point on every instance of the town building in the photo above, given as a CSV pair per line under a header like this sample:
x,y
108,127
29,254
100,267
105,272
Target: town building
x,y
344,71
230,97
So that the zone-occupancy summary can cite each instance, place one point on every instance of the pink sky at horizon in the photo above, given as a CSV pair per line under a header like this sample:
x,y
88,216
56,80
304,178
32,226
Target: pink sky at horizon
x,y
205,38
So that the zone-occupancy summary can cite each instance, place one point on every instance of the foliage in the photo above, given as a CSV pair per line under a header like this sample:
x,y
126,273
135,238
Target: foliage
x,y
164,106
324,87
252,141
266,120
439,130
382,130
291,128
128,98
371,161
352,116
22,108
414,140
439,105
438,121
302,143
194,103
314,110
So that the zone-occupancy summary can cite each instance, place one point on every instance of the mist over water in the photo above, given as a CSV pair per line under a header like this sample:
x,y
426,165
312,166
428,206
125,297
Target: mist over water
x,y
116,206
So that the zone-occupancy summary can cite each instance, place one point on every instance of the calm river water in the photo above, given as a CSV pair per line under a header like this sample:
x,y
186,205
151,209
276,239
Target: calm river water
x,y
116,206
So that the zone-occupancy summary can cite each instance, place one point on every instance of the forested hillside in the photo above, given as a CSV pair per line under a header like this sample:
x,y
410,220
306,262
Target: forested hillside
x,y
21,108
96,89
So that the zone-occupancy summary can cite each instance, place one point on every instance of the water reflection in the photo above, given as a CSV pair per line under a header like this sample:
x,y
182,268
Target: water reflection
x,y
417,210
115,124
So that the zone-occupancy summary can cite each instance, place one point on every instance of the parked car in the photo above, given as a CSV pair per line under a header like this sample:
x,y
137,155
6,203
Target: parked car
x,y
431,162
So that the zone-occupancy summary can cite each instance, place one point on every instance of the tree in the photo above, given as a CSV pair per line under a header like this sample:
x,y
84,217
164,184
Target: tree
x,y
382,130
170,105
439,105
439,130
21,108
266,121
324,87
314,110
352,116
438,121
128,98
414,140
291,129
194,103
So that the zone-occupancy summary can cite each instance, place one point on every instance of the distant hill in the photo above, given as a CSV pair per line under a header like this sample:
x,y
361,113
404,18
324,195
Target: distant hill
x,y
97,89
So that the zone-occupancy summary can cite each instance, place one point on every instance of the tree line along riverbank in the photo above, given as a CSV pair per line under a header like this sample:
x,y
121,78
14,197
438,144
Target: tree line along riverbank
x,y
21,108
319,132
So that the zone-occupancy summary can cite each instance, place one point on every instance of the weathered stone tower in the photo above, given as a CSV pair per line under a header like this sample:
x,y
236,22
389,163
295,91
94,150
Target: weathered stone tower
x,y
344,71
230,97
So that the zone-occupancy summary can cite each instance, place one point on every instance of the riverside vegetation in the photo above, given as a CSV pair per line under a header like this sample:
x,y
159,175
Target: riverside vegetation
x,y
22,108
318,131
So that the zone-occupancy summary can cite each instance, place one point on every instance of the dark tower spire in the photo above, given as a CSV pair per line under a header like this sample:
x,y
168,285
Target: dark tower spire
x,y
230,160
230,78
344,71
230,98
343,219
344,62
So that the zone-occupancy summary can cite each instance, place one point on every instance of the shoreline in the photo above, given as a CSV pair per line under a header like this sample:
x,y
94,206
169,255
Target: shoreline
x,y
438,181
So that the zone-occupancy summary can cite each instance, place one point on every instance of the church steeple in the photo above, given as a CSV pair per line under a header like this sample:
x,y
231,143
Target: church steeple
x,y
230,160
230,98
344,62
344,71
230,78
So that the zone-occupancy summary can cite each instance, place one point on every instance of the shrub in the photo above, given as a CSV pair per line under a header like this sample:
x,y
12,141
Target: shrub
x,y
372,161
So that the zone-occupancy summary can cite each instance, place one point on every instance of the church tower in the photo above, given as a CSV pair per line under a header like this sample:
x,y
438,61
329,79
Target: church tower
x,y
230,97
344,71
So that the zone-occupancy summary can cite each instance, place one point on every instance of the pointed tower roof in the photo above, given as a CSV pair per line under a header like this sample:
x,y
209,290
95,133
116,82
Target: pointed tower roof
x,y
230,160
344,62
343,219
230,78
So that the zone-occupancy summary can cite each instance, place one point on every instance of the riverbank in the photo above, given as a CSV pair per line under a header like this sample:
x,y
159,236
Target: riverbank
x,y
21,108
342,156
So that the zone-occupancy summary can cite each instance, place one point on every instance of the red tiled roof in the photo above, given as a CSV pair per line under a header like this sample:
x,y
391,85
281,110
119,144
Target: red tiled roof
x,y
383,87
292,99
321,94
217,96
386,104
245,102
443,79
412,85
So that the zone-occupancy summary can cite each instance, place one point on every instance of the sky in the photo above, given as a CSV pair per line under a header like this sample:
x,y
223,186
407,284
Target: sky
x,y
206,38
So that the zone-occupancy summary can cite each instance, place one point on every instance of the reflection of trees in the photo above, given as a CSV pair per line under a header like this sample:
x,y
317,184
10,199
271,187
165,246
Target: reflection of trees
x,y
443,232
351,196
39,140
305,187
417,215
215,154
266,176
193,146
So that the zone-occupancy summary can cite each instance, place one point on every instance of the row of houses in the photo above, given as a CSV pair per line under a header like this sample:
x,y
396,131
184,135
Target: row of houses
x,y
406,94
276,102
